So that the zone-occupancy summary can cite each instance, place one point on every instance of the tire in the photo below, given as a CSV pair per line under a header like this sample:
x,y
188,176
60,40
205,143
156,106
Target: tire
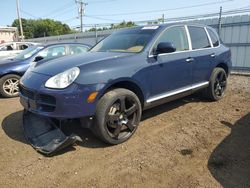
x,y
217,85
116,121
9,85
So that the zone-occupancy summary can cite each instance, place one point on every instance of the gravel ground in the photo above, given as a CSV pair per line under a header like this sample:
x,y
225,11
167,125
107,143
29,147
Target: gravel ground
x,y
186,143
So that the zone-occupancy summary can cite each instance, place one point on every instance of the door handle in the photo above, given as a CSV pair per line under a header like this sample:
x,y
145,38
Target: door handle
x,y
189,60
213,55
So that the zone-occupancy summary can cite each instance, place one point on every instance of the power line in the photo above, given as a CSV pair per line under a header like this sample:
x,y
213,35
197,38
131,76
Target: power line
x,y
99,18
69,9
177,19
162,10
29,14
70,19
59,9
104,1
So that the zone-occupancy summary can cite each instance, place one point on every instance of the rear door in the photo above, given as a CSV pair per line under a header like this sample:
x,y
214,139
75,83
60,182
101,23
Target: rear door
x,y
202,53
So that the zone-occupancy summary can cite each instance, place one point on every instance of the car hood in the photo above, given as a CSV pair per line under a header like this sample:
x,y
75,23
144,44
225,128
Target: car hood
x,y
57,66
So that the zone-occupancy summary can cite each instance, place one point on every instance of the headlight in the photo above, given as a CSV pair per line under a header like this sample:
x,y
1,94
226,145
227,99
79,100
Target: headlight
x,y
64,79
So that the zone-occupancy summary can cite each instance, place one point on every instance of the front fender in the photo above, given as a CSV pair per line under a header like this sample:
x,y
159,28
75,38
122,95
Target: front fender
x,y
120,81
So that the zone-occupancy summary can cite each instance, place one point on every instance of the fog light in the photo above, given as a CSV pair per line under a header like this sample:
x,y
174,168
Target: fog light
x,y
92,97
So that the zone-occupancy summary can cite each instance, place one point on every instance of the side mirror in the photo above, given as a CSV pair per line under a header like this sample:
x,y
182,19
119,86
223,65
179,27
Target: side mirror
x,y
38,58
165,47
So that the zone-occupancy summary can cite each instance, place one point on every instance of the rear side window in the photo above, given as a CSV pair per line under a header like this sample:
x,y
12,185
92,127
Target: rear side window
x,y
214,37
22,46
51,52
198,37
177,36
7,48
77,49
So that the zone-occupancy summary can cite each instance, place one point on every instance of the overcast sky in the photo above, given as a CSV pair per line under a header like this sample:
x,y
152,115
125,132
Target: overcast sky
x,y
112,11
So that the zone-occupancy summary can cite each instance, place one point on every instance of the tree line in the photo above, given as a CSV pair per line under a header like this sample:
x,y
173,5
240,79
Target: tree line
x,y
113,26
35,28
42,27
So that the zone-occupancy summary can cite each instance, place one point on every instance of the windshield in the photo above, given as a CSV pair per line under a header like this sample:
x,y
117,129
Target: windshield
x,y
129,41
25,54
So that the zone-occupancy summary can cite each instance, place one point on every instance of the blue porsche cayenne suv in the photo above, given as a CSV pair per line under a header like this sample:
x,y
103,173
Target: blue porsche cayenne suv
x,y
130,70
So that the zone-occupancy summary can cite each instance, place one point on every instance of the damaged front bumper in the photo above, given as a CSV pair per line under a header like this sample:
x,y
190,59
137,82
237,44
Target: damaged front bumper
x,y
43,105
44,135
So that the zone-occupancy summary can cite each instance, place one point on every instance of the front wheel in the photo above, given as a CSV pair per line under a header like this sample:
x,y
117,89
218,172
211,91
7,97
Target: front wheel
x,y
217,85
9,85
118,114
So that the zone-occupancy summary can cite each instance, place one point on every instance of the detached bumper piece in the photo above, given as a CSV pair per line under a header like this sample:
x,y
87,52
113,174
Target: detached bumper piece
x,y
43,134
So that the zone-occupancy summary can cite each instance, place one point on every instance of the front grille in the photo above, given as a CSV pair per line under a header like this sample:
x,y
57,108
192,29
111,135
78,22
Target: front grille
x,y
43,102
46,103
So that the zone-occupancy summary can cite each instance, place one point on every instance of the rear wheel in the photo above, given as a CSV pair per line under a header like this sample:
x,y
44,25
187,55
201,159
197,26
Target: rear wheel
x,y
117,116
9,85
217,85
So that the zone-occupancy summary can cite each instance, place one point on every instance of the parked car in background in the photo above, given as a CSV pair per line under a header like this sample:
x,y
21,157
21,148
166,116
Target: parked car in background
x,y
12,69
130,70
10,49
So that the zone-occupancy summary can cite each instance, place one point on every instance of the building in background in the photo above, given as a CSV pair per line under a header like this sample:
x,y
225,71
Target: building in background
x,y
8,34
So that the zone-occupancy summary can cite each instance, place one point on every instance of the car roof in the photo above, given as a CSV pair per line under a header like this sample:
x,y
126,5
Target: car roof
x,y
6,43
162,26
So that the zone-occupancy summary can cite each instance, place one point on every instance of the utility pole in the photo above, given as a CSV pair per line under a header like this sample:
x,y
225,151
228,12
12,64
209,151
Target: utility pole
x,y
219,26
163,18
96,36
19,18
81,11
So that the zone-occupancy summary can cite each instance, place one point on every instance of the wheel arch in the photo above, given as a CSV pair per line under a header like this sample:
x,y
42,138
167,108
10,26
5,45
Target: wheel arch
x,y
8,73
224,66
126,84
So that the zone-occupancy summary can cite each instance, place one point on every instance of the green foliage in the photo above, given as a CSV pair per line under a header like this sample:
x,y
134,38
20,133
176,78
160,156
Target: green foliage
x,y
42,27
113,26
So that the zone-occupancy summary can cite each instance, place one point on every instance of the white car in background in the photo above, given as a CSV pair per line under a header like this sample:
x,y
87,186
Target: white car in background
x,y
11,49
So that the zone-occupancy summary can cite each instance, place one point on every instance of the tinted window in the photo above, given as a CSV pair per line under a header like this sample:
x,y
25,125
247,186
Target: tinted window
x,y
214,37
198,37
177,36
76,49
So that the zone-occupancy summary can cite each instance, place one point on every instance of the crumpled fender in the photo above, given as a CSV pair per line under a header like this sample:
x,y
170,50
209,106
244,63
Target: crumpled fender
x,y
43,134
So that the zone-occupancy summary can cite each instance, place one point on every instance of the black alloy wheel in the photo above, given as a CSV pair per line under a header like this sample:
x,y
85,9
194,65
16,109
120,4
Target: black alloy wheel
x,y
118,114
121,119
220,84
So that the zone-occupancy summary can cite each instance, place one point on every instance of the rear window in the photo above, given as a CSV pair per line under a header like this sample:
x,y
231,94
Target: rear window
x,y
214,37
198,37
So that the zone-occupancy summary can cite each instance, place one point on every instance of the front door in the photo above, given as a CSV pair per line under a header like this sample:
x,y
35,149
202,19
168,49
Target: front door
x,y
171,73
